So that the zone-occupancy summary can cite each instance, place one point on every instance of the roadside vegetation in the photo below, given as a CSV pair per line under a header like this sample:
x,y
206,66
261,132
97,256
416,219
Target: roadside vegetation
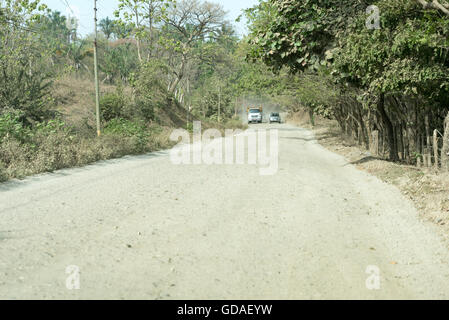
x,y
162,65
387,85
166,63
369,92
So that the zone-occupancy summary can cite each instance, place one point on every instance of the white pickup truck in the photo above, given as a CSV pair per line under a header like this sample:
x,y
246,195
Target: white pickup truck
x,y
255,115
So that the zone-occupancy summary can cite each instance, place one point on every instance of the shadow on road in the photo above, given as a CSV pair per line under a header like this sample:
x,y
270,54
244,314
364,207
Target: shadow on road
x,y
363,160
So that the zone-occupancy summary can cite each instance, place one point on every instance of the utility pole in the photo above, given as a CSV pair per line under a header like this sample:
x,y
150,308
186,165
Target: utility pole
x,y
97,86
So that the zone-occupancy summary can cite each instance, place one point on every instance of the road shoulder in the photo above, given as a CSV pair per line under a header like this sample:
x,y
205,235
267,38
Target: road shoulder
x,y
427,189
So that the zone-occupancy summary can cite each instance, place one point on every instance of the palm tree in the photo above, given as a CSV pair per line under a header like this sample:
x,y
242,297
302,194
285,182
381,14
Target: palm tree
x,y
77,52
107,27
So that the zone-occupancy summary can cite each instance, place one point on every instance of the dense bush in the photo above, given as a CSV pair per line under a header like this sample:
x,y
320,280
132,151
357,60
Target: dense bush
x,y
10,125
114,105
132,129
25,75
151,93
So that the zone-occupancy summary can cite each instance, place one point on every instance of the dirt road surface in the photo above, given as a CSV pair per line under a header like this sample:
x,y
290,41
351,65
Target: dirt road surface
x,y
143,228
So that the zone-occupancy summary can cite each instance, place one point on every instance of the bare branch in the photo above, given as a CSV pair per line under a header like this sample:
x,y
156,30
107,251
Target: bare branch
x,y
435,4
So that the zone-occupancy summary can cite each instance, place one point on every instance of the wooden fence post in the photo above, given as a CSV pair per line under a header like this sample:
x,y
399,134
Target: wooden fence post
x,y
435,149
425,158
375,144
445,150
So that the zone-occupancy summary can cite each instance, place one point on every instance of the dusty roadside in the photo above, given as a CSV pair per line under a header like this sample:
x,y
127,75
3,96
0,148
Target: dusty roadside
x,y
428,189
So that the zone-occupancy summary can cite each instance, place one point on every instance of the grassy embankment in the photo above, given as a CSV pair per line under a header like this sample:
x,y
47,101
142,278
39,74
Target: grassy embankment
x,y
70,139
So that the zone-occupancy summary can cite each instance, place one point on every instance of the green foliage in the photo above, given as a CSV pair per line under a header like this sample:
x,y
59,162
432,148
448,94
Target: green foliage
x,y
391,79
11,125
107,27
25,79
127,128
139,18
50,127
164,67
124,127
119,62
113,105
316,92
151,93
409,54
297,34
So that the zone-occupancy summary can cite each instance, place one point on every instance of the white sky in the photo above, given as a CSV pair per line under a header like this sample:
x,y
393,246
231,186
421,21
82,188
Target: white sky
x,y
83,10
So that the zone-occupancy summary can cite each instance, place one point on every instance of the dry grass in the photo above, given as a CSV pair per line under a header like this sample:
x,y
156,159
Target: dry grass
x,y
3,174
75,98
428,189
61,149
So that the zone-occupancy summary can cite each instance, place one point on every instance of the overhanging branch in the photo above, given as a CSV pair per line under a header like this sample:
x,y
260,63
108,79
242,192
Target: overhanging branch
x,y
435,4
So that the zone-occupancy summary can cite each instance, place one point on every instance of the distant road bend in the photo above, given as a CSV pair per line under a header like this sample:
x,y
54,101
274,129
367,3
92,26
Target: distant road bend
x,y
143,228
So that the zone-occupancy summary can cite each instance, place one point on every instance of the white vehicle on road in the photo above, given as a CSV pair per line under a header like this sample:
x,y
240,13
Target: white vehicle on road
x,y
255,115
275,117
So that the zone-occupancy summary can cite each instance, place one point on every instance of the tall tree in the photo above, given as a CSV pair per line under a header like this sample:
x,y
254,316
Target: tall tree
x,y
186,23
143,15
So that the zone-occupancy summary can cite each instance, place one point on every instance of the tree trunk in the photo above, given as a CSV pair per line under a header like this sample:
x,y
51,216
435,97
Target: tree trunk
x,y
401,145
393,156
139,52
180,75
428,139
311,117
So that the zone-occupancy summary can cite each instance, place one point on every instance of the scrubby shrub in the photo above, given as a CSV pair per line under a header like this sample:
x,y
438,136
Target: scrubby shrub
x,y
113,105
53,145
133,129
3,175
151,93
10,125
235,123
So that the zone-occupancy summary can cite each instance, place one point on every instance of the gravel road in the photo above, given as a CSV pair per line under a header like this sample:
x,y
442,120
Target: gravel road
x,y
143,228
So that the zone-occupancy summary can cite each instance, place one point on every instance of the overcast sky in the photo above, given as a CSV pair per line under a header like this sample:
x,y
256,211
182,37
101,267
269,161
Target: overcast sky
x,y
83,10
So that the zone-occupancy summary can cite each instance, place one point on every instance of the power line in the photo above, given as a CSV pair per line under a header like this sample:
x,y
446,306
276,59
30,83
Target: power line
x,y
68,6
66,3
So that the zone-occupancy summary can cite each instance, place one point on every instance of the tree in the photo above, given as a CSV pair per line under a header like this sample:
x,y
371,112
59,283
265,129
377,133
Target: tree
x,y
77,52
107,27
434,4
142,15
398,59
187,23
119,61
297,34
390,79
25,78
